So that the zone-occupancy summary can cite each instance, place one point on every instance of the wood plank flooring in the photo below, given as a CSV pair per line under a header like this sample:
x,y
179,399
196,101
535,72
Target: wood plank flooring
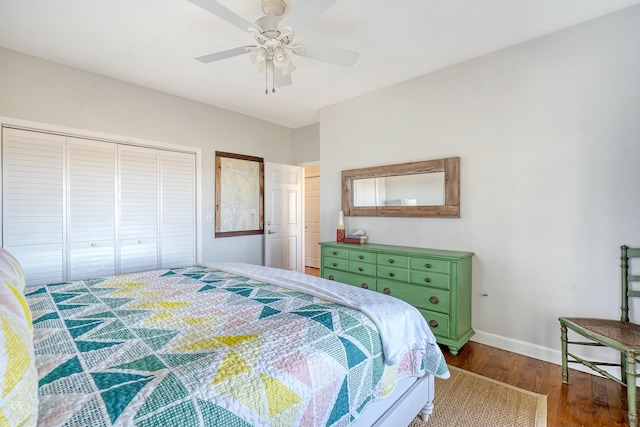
x,y
588,400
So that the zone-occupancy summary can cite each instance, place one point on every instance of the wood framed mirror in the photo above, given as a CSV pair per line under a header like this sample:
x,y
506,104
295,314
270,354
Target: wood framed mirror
x,y
429,188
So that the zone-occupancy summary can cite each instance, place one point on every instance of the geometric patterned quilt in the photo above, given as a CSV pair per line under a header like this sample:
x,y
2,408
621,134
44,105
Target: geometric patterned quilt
x,y
196,346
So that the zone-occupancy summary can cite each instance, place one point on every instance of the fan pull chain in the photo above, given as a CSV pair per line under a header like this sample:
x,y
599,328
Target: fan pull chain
x,y
266,78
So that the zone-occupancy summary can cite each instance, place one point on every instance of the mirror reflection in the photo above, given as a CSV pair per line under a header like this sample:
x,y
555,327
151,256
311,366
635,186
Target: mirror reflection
x,y
428,188
425,189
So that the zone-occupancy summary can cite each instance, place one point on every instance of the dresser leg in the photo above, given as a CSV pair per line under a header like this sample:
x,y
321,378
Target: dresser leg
x,y
454,350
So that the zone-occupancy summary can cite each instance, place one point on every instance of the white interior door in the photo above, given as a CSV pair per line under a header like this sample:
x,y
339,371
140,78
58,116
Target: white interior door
x,y
178,209
91,206
34,203
283,216
312,221
139,208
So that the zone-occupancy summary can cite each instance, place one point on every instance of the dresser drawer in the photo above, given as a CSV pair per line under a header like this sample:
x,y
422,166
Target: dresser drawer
x,y
434,300
350,279
393,273
438,322
393,260
362,268
431,279
428,264
418,296
362,256
335,252
337,275
403,291
336,263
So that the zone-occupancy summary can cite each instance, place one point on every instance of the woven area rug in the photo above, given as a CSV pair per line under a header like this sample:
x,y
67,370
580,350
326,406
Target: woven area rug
x,y
470,400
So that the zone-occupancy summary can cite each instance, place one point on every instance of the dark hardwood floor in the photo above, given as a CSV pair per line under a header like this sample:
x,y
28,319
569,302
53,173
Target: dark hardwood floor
x,y
588,400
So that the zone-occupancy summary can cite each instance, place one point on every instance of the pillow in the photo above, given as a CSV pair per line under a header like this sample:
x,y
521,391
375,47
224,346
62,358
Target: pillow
x,y
18,372
10,270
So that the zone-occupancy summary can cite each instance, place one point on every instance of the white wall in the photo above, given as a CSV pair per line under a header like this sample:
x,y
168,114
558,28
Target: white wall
x,y
42,91
548,133
306,144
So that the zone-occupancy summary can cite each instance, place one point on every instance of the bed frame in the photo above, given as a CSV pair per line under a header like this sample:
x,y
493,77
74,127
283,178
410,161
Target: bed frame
x,y
409,398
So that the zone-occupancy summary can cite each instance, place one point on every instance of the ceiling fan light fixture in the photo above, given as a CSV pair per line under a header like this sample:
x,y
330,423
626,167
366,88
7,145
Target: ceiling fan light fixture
x,y
288,68
260,55
280,57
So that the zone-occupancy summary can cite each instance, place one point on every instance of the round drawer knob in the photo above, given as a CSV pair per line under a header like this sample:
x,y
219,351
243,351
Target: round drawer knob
x,y
93,245
391,274
335,253
359,268
391,261
335,264
434,300
387,291
360,257
428,265
427,280
365,286
139,241
433,323
331,277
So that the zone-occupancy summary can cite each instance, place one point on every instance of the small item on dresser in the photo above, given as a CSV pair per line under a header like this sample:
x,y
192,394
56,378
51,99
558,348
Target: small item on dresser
x,y
355,239
356,236
340,229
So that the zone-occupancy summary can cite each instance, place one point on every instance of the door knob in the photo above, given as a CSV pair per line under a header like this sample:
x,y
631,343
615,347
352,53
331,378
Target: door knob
x,y
271,232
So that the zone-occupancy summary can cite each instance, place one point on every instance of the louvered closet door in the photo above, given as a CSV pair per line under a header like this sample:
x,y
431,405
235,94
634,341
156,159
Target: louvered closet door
x,y
33,203
91,225
139,208
178,199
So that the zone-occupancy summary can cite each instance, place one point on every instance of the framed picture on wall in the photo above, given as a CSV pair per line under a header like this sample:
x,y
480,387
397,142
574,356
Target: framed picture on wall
x,y
239,195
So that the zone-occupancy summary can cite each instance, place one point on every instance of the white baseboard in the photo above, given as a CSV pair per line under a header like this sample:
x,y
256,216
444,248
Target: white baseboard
x,y
551,355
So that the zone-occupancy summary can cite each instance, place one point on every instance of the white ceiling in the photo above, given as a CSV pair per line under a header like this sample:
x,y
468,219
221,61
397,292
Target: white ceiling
x,y
152,43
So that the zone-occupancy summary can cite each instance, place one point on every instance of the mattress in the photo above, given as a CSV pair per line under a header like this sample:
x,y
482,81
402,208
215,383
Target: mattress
x,y
201,346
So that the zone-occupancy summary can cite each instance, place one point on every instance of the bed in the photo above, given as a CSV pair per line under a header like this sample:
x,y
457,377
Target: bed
x,y
211,345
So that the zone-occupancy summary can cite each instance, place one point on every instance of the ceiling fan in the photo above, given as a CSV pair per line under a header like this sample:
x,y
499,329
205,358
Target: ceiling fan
x,y
274,34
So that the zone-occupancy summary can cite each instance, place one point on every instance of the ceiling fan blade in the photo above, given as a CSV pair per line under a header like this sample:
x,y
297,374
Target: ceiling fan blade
x,y
304,13
224,54
279,79
333,55
220,11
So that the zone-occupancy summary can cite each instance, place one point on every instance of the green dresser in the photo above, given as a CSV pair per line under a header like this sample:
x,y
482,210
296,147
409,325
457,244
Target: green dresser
x,y
436,282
